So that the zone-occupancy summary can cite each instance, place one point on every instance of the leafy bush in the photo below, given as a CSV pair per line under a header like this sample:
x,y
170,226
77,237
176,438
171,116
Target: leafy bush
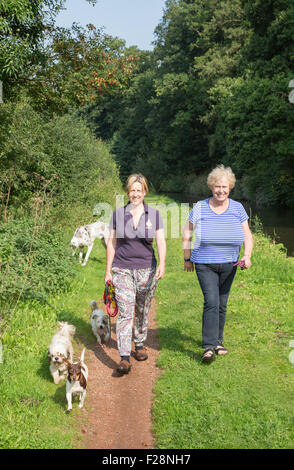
x,y
59,157
53,172
35,261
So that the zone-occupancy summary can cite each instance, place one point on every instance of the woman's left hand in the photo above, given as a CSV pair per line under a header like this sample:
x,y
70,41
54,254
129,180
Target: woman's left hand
x,y
247,262
160,272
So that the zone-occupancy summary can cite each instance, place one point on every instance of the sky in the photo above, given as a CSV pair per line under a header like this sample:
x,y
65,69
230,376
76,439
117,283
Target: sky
x,y
131,20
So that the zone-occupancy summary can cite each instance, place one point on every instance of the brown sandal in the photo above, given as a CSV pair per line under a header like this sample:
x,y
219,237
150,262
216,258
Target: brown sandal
x,y
220,350
208,355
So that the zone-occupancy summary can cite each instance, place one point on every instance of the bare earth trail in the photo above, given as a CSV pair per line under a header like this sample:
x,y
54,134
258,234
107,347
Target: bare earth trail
x,y
117,410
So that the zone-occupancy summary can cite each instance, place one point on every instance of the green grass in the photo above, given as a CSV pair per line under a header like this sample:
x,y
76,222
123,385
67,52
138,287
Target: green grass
x,y
245,399
32,414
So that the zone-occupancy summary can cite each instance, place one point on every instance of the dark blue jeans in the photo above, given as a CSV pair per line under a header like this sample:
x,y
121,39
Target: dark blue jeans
x,y
215,281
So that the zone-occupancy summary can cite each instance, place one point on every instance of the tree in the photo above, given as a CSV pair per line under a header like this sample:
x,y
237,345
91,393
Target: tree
x,y
23,24
82,65
270,48
197,43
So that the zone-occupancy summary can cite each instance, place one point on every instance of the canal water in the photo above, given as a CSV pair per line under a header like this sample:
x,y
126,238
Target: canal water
x,y
277,222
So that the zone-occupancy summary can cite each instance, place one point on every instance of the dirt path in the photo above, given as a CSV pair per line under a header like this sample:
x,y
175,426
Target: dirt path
x,y
117,412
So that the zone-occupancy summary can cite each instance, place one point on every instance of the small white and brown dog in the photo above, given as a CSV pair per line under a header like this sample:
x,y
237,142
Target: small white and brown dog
x,y
101,325
76,384
60,351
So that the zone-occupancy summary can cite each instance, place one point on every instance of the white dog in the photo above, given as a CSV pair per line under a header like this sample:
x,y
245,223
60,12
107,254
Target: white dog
x,y
60,351
86,235
76,383
100,323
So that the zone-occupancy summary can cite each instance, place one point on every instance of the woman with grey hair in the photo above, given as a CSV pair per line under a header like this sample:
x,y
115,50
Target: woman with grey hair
x,y
221,227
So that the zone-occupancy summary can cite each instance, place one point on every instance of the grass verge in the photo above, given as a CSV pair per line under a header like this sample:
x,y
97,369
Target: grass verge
x,y
33,408
245,399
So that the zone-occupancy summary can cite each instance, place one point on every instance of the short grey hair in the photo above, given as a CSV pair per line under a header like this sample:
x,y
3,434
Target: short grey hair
x,y
218,173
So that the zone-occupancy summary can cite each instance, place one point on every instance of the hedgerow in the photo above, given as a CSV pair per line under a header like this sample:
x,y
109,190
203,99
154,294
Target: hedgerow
x,y
35,261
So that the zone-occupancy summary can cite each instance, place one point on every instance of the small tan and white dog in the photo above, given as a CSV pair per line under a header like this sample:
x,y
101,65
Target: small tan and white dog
x,y
100,322
60,351
76,384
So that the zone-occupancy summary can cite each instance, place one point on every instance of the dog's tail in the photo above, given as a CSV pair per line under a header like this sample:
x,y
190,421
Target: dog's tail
x,y
83,355
94,305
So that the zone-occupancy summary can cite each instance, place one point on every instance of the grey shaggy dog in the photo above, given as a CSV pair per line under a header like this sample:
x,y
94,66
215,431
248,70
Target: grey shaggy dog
x,y
101,325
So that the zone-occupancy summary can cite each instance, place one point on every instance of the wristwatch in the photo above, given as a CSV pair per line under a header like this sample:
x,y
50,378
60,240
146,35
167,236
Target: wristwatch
x,y
187,259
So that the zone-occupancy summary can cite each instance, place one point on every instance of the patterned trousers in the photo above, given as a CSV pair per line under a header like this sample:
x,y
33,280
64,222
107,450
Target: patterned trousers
x,y
134,291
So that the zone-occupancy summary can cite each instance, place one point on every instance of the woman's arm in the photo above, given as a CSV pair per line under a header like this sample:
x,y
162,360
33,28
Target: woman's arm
x,y
187,239
161,250
110,252
248,244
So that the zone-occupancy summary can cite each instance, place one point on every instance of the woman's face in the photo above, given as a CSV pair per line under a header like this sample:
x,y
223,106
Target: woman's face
x,y
136,194
221,190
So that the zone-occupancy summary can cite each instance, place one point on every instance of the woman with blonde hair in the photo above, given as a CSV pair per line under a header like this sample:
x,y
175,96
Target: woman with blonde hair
x,y
221,227
132,267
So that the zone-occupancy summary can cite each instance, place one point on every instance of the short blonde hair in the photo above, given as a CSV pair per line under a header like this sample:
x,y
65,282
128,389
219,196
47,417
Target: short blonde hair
x,y
137,178
218,173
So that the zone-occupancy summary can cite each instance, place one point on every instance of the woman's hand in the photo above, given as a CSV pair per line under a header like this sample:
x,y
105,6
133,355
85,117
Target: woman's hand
x,y
160,271
247,261
188,266
161,250
108,277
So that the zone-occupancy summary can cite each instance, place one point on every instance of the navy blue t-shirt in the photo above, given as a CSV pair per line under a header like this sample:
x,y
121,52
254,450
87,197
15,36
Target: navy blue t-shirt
x,y
134,248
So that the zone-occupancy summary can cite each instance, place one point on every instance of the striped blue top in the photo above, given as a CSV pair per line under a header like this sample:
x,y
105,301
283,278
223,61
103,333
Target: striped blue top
x,y
218,237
